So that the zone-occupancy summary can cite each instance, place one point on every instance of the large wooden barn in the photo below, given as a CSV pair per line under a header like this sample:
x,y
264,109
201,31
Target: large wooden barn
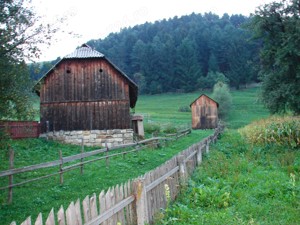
x,y
85,91
204,113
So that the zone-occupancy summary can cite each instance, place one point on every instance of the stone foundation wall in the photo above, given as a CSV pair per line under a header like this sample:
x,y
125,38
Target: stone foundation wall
x,y
92,137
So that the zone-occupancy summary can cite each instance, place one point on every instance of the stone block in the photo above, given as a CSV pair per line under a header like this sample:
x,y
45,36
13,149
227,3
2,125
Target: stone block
x,y
95,132
94,136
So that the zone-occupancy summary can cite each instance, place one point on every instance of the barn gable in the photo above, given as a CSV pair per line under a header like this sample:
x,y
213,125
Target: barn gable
x,y
85,91
86,52
204,113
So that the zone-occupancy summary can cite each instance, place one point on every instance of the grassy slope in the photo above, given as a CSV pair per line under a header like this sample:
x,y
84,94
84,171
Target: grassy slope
x,y
238,183
41,196
162,109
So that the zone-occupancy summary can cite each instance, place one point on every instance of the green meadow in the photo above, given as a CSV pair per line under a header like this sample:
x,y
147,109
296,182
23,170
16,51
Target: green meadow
x,y
163,112
250,176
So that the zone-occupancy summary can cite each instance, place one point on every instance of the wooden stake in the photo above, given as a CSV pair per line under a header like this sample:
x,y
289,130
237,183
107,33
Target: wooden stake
x,y
81,160
107,157
10,177
61,167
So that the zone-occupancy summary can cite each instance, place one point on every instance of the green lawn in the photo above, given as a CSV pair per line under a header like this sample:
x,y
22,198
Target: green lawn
x,y
240,183
41,196
164,108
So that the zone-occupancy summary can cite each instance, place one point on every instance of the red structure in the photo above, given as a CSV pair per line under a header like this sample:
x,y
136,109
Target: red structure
x,y
21,129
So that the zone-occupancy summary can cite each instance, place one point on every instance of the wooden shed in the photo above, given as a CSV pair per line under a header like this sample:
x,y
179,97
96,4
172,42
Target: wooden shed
x,y
204,113
85,91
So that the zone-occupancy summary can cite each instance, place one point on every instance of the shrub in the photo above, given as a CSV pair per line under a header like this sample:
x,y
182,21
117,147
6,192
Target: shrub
x,y
151,128
282,131
184,109
170,129
221,94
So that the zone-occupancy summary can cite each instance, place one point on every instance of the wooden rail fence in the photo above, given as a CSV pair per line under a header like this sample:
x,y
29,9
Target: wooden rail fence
x,y
138,201
103,154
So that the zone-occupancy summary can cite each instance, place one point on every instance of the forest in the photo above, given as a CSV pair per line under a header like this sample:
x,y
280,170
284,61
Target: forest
x,y
181,54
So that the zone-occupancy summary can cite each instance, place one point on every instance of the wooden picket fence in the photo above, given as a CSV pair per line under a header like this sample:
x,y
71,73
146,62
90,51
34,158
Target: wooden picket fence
x,y
138,201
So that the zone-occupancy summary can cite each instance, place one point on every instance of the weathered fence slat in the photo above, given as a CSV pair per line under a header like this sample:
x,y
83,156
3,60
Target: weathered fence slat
x,y
39,220
61,216
161,179
93,207
78,212
141,202
110,212
50,220
86,209
71,215
27,221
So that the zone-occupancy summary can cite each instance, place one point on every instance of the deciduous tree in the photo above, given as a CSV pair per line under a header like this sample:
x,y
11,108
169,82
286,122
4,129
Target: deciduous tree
x,y
277,24
21,35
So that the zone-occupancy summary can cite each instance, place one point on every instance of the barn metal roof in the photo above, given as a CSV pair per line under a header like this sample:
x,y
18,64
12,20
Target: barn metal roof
x,y
84,51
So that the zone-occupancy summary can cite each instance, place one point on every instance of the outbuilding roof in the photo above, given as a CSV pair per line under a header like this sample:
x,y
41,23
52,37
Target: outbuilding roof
x,y
204,95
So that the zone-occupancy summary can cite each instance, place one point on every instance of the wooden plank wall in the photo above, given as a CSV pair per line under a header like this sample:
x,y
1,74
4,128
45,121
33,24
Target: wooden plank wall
x,y
85,94
99,115
204,113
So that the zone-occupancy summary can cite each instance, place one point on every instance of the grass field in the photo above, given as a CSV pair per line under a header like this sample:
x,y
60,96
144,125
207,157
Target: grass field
x,y
158,109
241,182
163,108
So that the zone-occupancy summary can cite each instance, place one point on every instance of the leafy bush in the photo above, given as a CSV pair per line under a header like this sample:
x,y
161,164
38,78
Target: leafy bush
x,y
184,109
221,94
282,131
151,128
170,129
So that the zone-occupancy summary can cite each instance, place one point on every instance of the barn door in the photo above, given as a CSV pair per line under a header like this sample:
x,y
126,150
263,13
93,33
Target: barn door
x,y
203,117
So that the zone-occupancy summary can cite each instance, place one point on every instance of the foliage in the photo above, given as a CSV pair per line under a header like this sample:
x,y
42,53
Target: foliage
x,y
221,94
152,128
237,184
283,131
184,53
15,92
211,79
277,24
170,129
22,33
184,109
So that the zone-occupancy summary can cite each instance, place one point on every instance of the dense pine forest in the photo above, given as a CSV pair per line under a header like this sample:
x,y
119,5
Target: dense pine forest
x,y
183,54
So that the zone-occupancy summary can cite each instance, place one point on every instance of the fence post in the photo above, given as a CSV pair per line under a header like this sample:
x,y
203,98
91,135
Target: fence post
x,y
199,153
182,169
61,167
10,177
141,201
81,159
207,145
107,157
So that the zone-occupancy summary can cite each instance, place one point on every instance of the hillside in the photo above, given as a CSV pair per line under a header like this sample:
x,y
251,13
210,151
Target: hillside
x,y
181,54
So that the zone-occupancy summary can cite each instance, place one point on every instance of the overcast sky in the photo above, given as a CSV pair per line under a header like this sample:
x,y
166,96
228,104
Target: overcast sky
x,y
94,19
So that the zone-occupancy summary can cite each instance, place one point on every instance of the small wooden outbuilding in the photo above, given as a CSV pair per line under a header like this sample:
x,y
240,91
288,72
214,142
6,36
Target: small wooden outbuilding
x,y
86,91
204,113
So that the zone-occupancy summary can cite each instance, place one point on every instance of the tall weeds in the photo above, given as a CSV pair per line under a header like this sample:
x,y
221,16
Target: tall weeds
x,y
282,131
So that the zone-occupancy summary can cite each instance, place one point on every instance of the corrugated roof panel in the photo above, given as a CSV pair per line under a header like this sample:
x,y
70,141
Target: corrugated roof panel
x,y
84,51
